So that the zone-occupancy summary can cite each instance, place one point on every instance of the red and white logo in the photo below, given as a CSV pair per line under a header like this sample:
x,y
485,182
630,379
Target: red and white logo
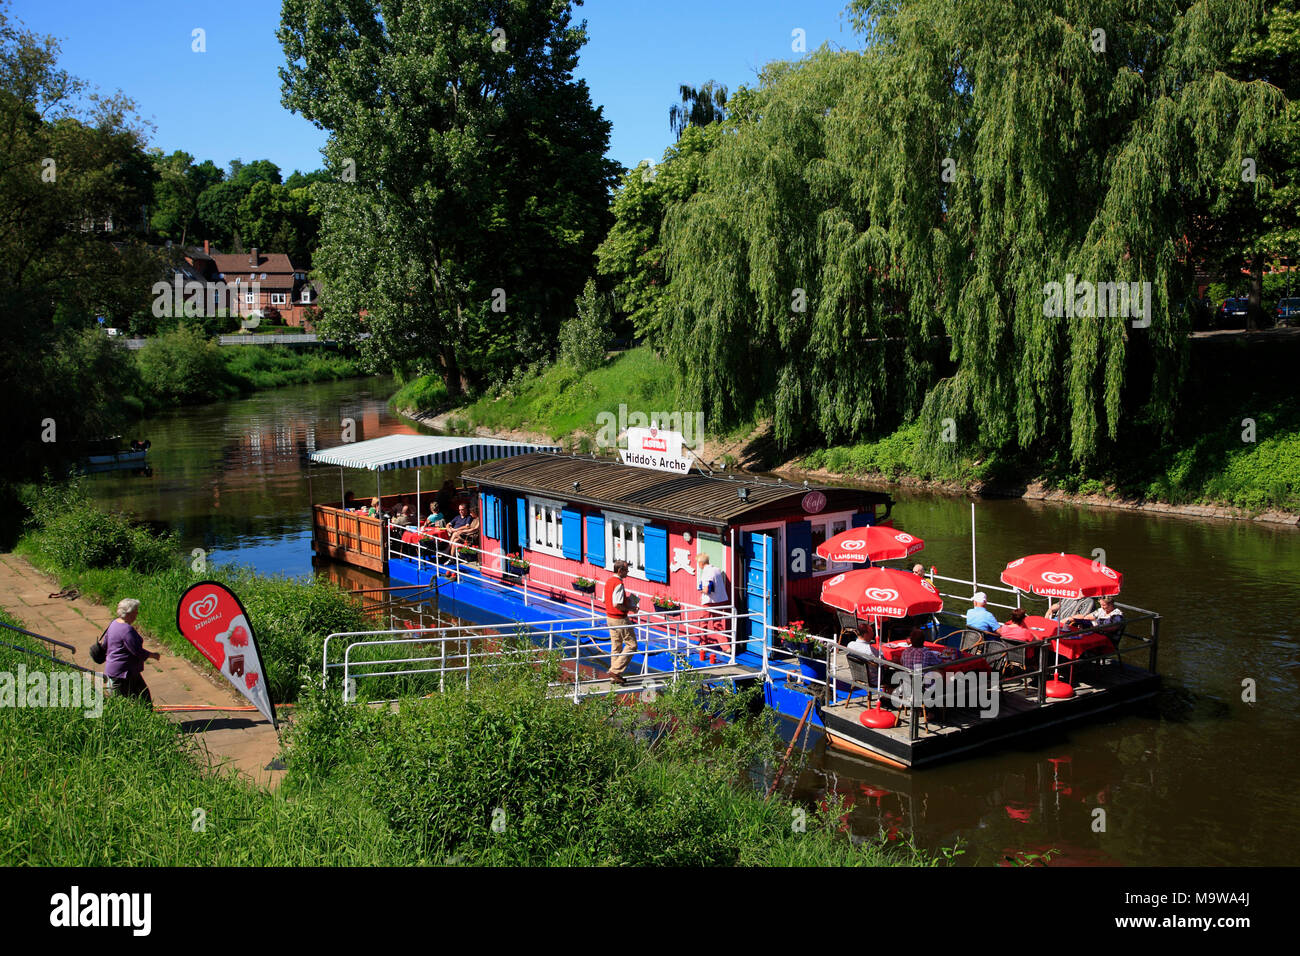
x,y
903,538
881,595
929,587
203,607
835,580
1057,577
814,502
852,545
1016,563
1108,572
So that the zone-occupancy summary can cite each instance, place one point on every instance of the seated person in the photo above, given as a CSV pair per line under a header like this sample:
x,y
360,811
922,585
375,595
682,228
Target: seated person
x,y
1068,608
1108,613
1015,629
918,655
464,527
404,518
435,519
979,617
375,510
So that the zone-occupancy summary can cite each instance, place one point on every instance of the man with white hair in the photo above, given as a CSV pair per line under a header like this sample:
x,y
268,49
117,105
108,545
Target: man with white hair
x,y
980,617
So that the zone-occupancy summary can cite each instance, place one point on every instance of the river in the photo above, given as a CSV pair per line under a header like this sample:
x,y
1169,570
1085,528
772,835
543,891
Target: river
x,y
1199,776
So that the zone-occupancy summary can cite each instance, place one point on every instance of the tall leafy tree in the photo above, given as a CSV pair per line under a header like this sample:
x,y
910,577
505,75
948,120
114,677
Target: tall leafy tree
x,y
699,107
471,183
74,180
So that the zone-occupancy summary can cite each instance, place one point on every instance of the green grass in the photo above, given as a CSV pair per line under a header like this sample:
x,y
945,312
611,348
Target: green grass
x,y
424,394
561,403
272,366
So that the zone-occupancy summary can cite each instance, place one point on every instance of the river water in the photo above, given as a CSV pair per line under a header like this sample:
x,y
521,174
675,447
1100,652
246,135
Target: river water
x,y
1197,777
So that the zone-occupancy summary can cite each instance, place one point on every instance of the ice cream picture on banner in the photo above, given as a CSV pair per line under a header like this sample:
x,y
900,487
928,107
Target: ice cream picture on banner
x,y
214,621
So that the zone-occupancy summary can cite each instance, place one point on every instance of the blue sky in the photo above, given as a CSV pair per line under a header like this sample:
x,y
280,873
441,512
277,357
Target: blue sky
x,y
225,103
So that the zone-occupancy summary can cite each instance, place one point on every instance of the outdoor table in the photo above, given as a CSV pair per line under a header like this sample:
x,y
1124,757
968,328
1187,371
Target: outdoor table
x,y
1043,627
893,652
1073,648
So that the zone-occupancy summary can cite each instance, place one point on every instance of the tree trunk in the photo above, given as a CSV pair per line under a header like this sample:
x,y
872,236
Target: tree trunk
x,y
1256,289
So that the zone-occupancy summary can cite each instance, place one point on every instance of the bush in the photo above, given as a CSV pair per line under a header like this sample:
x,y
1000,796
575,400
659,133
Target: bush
x,y
74,534
584,340
183,367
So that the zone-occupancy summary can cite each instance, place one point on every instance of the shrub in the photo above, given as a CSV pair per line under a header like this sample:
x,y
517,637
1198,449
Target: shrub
x,y
182,367
584,340
74,534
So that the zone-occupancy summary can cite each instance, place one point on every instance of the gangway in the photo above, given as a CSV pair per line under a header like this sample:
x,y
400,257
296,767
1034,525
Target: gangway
x,y
579,650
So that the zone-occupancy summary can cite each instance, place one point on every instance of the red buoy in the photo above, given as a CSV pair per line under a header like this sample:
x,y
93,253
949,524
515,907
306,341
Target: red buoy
x,y
878,719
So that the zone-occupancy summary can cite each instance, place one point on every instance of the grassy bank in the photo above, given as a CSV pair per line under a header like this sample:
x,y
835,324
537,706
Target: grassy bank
x,y
558,402
184,368
108,558
496,773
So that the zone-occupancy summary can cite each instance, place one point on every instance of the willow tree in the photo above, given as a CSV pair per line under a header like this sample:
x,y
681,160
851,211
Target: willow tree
x,y
1080,143
974,154
784,292
472,185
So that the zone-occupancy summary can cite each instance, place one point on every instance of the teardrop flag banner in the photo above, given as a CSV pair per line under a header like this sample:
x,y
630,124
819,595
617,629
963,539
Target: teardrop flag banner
x,y
214,621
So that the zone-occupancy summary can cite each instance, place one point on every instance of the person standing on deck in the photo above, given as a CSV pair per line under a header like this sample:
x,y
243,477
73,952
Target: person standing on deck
x,y
622,638
712,585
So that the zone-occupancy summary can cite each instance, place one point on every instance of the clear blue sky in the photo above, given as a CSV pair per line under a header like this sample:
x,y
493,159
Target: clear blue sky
x,y
225,103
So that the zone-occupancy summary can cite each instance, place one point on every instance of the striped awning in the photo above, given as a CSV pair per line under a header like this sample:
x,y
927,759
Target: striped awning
x,y
417,451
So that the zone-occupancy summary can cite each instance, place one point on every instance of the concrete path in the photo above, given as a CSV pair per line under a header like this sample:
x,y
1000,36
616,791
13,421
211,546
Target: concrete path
x,y
243,741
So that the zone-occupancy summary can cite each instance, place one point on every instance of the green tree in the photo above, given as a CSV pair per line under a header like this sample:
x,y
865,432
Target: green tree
x,y
699,107
632,254
471,181
280,219
584,339
73,183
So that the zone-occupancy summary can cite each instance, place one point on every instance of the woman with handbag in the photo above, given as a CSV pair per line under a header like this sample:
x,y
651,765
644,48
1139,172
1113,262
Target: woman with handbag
x,y
125,657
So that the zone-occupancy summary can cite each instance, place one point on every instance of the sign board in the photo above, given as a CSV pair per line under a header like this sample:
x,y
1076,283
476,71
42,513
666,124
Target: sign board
x,y
211,618
654,448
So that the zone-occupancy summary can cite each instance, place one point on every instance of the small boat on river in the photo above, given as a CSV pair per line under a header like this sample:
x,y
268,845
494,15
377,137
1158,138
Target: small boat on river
x,y
131,457
552,525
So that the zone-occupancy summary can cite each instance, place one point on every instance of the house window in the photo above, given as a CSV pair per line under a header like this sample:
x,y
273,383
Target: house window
x,y
546,526
306,295
250,298
625,541
828,527
279,298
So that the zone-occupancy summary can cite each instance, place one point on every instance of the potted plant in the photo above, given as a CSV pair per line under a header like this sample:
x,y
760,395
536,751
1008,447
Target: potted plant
x,y
666,604
583,585
517,564
467,554
797,637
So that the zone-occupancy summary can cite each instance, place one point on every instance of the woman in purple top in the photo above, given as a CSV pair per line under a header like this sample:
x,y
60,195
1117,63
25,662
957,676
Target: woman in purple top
x,y
124,665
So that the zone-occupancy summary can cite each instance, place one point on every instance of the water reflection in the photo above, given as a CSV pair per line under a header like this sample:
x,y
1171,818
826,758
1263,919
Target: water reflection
x,y
1199,776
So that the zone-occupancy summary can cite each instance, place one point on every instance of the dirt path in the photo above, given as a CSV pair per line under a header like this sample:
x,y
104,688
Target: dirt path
x,y
244,741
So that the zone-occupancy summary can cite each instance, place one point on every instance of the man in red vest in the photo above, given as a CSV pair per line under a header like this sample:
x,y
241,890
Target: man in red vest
x,y
622,638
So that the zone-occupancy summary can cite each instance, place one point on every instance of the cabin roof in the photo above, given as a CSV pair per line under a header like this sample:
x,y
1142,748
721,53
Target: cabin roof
x,y
392,452
697,498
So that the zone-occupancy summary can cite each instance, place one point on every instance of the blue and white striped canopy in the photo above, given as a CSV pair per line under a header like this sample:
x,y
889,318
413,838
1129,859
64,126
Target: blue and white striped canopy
x,y
416,451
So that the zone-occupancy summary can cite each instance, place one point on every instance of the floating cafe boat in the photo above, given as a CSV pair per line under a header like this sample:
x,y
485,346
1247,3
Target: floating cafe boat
x,y
552,525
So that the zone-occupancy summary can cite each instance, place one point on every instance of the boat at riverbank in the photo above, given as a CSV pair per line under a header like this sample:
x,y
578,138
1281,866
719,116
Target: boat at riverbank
x,y
553,524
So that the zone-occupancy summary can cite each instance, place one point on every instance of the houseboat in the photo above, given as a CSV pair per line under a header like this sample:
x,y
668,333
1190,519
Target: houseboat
x,y
551,526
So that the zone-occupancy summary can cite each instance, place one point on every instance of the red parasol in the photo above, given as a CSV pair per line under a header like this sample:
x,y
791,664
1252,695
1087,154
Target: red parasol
x,y
881,592
873,543
1062,575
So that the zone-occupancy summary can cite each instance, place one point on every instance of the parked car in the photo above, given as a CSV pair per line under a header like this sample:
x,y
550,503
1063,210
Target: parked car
x,y
1233,313
1288,311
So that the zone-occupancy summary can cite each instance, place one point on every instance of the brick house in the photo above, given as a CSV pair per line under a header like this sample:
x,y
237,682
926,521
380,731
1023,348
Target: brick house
x,y
258,282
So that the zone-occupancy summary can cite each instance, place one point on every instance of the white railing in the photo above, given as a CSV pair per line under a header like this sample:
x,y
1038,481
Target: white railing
x,y
686,621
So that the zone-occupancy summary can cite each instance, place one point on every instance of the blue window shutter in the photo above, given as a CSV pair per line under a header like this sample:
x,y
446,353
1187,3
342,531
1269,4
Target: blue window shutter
x,y
656,554
798,550
595,540
521,506
485,510
861,519
572,534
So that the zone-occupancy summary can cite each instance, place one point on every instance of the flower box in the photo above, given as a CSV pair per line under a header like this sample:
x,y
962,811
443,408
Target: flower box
x,y
583,585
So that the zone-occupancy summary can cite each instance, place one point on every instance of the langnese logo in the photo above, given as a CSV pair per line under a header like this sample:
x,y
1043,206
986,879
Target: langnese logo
x,y
76,909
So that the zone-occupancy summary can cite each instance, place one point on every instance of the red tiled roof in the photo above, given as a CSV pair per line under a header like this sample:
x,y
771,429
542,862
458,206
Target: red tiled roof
x,y
233,264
